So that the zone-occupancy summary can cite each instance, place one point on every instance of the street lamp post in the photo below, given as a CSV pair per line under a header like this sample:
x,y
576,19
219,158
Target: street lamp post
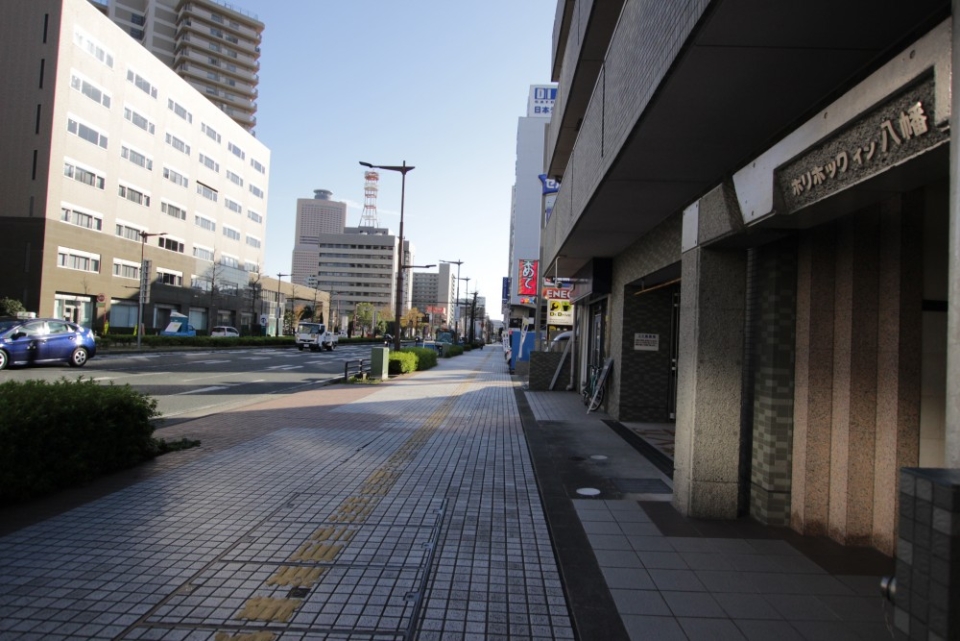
x,y
143,282
456,317
403,169
279,315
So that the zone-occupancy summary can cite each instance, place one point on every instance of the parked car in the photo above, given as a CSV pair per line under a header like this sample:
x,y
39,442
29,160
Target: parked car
x,y
35,341
222,331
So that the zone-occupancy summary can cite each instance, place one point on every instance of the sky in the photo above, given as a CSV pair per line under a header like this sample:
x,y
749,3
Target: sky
x,y
439,84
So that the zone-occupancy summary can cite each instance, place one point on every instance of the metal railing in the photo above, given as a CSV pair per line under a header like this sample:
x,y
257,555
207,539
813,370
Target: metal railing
x,y
359,368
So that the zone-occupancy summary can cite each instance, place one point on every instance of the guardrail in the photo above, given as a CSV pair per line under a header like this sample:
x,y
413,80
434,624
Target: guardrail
x,y
356,368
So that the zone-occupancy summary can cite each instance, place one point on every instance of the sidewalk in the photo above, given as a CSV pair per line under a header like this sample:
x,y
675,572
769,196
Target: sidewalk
x,y
410,510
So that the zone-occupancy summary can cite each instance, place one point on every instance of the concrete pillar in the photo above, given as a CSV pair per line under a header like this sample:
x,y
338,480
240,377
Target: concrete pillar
x,y
899,359
813,384
952,453
853,430
712,309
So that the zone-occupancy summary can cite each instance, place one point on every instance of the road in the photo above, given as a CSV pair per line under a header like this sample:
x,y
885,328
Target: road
x,y
190,384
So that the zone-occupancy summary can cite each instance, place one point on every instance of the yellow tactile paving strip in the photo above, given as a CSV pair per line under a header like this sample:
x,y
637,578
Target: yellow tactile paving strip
x,y
326,543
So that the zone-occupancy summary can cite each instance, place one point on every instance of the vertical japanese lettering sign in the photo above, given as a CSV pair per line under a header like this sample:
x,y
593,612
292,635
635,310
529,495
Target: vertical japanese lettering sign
x,y
527,277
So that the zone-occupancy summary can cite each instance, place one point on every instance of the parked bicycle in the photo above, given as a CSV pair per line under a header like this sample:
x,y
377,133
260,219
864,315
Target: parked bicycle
x,y
593,389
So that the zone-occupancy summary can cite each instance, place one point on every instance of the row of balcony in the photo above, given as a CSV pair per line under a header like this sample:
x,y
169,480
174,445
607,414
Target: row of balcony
x,y
185,28
202,73
234,19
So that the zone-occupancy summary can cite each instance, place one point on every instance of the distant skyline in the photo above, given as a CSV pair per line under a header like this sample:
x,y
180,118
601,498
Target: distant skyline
x,y
439,85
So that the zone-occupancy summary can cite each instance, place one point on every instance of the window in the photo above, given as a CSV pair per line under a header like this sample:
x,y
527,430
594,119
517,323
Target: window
x,y
233,205
170,244
90,90
253,241
203,253
229,261
173,210
135,195
207,192
93,47
137,158
205,223
236,151
210,131
257,166
141,83
256,191
178,144
251,267
125,269
86,132
129,232
179,109
254,216
83,175
234,178
209,163
175,177
138,19
200,282
139,120
216,17
76,259
168,277
137,34
80,219
231,233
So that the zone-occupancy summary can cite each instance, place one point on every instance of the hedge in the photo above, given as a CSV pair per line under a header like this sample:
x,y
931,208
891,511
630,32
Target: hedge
x,y
61,434
412,359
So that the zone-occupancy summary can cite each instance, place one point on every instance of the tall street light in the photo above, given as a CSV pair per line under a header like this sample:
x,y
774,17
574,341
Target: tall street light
x,y
279,315
456,318
403,169
144,276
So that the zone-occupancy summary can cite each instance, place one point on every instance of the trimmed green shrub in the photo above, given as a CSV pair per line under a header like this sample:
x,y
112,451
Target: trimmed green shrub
x,y
426,356
402,362
449,351
60,434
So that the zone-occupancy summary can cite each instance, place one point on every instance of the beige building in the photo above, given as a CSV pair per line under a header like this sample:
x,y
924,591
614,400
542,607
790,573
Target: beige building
x,y
212,45
318,215
110,157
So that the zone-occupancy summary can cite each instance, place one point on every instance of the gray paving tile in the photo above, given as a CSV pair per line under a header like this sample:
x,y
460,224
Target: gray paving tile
x,y
601,527
609,542
648,628
647,602
794,607
855,608
679,580
692,604
727,581
662,560
820,630
618,559
824,584
746,606
705,561
651,543
768,630
711,629
638,528
628,578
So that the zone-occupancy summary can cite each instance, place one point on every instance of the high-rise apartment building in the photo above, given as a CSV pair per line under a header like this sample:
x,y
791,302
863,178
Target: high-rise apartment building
x,y
110,158
434,293
315,216
213,46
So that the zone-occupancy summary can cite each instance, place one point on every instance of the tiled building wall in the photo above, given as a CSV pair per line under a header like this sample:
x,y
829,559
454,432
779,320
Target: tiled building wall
x,y
928,554
774,346
645,375
543,367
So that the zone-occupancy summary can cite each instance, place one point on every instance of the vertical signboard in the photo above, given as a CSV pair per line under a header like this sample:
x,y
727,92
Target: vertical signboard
x,y
527,277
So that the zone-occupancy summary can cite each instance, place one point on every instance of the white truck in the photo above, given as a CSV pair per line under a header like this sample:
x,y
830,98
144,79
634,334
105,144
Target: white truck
x,y
316,337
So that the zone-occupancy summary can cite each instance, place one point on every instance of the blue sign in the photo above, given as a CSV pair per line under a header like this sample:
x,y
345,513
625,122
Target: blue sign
x,y
506,288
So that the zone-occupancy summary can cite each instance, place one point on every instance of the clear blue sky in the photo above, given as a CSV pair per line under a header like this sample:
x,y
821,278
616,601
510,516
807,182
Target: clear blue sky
x,y
437,83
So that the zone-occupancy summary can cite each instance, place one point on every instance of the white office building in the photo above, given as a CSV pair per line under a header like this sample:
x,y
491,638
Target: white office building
x,y
110,157
315,216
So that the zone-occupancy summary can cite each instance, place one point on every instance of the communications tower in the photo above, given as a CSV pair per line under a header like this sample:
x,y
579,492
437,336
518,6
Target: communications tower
x,y
370,185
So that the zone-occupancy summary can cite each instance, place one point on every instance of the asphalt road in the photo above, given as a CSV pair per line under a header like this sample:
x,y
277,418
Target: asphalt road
x,y
190,384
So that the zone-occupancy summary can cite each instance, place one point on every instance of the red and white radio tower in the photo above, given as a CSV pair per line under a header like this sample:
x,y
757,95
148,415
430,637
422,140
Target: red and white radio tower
x,y
369,216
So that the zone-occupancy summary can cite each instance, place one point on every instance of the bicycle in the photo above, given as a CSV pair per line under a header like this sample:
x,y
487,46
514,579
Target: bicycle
x,y
593,395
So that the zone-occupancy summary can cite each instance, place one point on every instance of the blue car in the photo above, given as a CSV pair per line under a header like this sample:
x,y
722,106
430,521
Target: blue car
x,y
34,341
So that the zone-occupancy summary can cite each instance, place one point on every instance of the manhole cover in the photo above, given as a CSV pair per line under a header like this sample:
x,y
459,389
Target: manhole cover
x,y
642,486
588,491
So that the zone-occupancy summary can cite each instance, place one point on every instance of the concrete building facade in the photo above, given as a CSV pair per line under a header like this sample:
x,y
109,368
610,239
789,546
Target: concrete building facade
x,y
212,45
759,210
526,214
315,216
434,293
110,157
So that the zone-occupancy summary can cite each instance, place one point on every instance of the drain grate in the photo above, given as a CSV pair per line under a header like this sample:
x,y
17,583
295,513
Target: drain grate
x,y
642,486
